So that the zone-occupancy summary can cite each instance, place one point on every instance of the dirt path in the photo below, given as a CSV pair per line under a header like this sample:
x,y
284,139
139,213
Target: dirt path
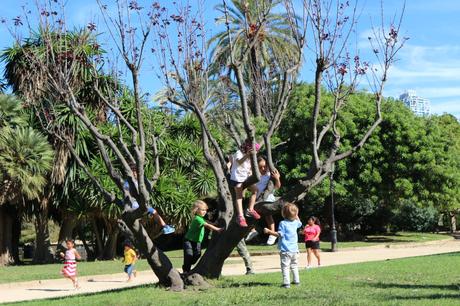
x,y
14,292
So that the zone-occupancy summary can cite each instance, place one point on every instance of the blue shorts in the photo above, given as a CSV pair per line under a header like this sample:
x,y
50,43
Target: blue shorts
x,y
129,269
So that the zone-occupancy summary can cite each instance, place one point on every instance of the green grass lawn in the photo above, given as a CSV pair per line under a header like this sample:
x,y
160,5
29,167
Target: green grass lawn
x,y
40,272
428,280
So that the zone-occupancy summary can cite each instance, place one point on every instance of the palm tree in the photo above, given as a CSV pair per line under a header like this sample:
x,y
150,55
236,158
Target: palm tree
x,y
274,49
25,76
25,159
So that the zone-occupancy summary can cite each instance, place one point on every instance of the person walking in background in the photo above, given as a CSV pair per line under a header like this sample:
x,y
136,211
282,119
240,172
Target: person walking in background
x,y
312,232
195,235
130,258
242,250
70,263
287,244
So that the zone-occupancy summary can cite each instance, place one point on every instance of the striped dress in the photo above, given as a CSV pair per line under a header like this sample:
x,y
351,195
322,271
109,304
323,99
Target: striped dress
x,y
70,264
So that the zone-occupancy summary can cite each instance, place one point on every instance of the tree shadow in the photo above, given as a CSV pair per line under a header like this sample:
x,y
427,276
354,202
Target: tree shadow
x,y
48,290
246,285
104,281
455,286
436,296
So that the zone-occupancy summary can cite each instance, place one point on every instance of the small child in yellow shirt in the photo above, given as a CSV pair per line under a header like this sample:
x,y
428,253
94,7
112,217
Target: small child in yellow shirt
x,y
130,261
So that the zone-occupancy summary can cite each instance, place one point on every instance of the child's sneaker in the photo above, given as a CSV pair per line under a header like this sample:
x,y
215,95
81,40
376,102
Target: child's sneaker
x,y
168,229
252,213
271,240
286,286
242,221
308,267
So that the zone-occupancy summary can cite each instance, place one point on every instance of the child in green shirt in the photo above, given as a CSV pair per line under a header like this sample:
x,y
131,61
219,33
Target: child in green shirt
x,y
195,235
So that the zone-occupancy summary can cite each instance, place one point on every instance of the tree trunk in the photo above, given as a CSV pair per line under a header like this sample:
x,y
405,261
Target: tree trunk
x,y
99,245
453,221
16,234
110,247
68,224
158,261
6,247
42,252
222,244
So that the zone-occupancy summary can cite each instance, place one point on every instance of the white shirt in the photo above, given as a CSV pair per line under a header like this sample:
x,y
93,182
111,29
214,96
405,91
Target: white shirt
x,y
262,185
240,172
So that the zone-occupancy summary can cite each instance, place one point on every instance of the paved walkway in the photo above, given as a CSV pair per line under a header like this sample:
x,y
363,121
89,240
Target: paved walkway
x,y
14,292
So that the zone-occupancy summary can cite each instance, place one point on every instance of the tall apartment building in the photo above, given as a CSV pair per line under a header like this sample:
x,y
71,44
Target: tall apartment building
x,y
420,106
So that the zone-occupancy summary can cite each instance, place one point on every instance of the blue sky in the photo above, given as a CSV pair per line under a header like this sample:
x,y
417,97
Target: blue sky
x,y
429,63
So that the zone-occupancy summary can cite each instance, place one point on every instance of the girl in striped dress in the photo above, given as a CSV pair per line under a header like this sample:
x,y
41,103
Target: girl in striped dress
x,y
70,264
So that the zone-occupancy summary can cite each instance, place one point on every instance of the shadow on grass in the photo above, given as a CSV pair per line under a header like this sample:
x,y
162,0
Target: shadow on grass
x,y
246,285
104,281
436,296
48,290
415,286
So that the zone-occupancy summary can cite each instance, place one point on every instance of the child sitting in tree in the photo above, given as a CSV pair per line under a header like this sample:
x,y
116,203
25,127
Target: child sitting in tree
x,y
152,212
195,235
130,258
239,173
287,244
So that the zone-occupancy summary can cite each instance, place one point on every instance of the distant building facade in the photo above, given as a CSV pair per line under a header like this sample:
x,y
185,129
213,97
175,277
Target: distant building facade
x,y
420,106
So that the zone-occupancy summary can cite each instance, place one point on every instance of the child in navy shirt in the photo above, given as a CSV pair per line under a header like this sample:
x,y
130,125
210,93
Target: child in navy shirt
x,y
287,244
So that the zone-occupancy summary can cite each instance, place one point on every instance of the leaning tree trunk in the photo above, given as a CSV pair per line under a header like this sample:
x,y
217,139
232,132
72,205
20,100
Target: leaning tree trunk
x,y
158,261
6,247
42,252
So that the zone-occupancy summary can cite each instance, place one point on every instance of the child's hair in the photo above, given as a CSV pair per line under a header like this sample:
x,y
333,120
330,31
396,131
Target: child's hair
x,y
289,211
128,244
315,220
248,145
199,205
70,240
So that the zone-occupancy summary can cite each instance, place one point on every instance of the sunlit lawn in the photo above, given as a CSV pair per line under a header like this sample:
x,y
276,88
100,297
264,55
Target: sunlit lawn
x,y
428,280
51,271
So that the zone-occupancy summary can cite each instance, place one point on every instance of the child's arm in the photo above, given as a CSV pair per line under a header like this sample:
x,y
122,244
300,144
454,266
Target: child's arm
x,y
77,255
317,235
270,232
276,177
213,227
244,157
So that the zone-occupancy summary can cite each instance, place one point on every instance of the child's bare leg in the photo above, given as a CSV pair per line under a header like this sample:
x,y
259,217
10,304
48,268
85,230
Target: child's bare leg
x,y
270,222
308,257
239,200
252,201
316,252
158,219
253,198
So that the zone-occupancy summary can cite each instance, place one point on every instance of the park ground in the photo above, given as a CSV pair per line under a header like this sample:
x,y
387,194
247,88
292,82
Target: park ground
x,y
345,279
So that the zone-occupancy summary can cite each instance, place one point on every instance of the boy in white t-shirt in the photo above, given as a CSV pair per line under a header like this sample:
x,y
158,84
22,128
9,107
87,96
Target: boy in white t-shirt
x,y
239,172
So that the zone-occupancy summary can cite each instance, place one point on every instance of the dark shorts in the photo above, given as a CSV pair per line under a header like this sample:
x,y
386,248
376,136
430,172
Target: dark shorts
x,y
129,269
310,244
234,183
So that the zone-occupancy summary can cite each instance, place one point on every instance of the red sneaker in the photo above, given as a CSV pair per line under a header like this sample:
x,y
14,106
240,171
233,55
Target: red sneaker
x,y
252,213
241,221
